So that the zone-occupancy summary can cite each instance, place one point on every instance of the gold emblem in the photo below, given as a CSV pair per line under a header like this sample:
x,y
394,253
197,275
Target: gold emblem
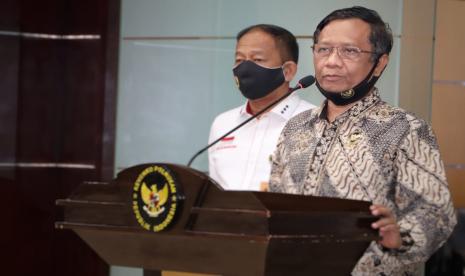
x,y
156,198
348,94
153,199
354,138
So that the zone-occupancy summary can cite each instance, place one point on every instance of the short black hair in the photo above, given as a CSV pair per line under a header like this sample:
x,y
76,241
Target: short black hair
x,y
285,40
381,34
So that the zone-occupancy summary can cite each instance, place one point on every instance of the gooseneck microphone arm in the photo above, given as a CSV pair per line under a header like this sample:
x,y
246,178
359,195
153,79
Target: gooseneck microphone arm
x,y
303,83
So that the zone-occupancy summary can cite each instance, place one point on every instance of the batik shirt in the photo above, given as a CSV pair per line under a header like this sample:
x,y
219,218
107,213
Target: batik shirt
x,y
378,153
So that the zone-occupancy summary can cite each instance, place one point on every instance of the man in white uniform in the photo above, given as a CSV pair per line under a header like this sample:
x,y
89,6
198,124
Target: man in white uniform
x,y
265,62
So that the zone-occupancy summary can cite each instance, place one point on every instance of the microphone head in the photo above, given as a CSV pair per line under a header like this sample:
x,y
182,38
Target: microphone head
x,y
307,81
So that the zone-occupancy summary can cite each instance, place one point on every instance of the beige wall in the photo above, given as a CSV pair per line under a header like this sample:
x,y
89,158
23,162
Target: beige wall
x,y
416,57
448,101
432,78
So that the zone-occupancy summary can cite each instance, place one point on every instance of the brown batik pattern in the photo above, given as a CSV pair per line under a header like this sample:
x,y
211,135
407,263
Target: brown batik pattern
x,y
378,153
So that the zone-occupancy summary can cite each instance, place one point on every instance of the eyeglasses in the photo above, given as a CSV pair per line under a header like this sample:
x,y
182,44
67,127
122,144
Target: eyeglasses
x,y
344,52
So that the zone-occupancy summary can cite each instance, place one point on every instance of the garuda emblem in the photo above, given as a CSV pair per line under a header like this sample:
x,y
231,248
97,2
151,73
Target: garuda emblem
x,y
154,199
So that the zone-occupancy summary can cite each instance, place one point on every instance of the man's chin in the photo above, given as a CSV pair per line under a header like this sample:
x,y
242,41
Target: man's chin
x,y
335,88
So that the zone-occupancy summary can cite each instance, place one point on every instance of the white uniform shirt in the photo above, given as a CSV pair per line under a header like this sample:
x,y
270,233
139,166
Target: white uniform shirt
x,y
241,161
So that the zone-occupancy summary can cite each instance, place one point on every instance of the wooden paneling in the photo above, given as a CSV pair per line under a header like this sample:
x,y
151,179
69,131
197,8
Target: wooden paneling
x,y
456,179
175,273
449,93
9,15
448,104
39,101
45,16
88,16
110,38
449,61
10,205
447,121
57,107
81,108
9,55
416,57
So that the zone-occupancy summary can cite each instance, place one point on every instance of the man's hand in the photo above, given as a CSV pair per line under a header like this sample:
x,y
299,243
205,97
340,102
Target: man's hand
x,y
387,227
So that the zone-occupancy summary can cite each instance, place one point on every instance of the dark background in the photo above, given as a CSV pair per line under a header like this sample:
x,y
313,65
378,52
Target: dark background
x,y
57,106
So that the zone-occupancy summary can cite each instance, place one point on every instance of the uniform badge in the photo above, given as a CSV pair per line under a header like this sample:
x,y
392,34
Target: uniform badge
x,y
348,94
354,139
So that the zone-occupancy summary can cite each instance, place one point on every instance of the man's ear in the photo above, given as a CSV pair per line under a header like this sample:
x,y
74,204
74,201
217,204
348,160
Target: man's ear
x,y
289,69
382,62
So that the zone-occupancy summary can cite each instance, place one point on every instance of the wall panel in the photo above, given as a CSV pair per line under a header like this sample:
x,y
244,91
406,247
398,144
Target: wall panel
x,y
57,115
449,93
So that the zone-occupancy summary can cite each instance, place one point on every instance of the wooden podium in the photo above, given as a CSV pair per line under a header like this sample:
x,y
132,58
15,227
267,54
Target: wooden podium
x,y
220,232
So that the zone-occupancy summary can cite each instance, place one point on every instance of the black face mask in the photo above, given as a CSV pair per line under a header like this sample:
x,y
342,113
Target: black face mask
x,y
255,81
354,94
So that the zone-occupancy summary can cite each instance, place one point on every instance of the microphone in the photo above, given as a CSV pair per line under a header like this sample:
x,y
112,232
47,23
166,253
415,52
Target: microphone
x,y
303,83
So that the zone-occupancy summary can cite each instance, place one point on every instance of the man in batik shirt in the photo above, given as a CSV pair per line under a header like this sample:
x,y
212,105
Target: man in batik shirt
x,y
356,146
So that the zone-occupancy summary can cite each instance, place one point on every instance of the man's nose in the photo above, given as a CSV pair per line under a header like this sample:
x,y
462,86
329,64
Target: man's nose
x,y
334,58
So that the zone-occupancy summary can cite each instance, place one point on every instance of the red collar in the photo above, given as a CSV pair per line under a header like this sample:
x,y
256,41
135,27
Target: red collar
x,y
248,109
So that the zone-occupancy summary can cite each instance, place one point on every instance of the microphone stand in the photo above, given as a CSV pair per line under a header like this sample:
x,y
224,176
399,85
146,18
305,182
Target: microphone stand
x,y
298,86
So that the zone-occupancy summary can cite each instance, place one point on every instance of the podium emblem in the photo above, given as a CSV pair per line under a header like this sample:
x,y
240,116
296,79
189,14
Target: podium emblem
x,y
156,198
